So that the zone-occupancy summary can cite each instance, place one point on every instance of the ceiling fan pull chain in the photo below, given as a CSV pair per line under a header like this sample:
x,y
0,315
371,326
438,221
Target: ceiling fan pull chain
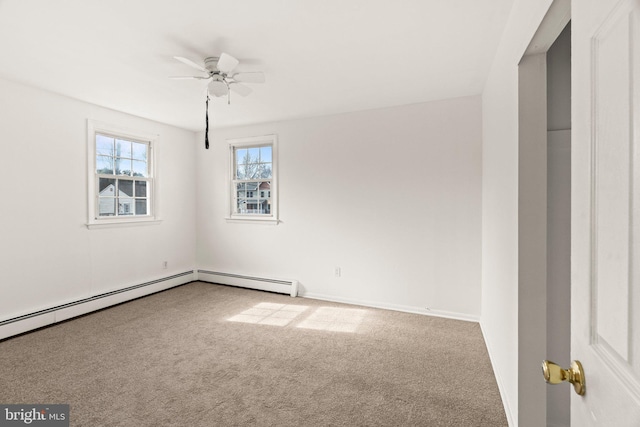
x,y
206,131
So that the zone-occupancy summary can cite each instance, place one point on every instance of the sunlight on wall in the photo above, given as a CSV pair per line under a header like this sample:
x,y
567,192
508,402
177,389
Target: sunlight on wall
x,y
323,318
334,319
267,313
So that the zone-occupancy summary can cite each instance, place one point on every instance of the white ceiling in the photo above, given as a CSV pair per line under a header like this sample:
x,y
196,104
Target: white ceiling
x,y
319,56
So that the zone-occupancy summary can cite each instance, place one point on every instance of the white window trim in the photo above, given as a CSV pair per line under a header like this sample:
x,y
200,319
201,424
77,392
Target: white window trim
x,y
93,221
273,218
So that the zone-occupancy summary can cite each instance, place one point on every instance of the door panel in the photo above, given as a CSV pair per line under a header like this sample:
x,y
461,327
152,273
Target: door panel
x,y
612,187
606,214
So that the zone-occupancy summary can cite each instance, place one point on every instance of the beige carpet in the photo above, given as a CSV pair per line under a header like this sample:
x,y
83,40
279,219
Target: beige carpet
x,y
209,355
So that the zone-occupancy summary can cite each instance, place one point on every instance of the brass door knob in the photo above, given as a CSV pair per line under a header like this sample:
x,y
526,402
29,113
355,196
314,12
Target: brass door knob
x,y
554,374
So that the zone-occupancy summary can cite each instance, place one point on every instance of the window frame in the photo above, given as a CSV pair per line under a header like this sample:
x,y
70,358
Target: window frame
x,y
95,128
252,142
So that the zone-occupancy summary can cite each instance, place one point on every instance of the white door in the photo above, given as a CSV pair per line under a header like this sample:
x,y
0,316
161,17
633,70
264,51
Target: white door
x,y
605,267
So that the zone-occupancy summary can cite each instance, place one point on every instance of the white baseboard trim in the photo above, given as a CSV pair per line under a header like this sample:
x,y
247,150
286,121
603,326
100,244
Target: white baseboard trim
x,y
281,286
394,307
503,397
49,316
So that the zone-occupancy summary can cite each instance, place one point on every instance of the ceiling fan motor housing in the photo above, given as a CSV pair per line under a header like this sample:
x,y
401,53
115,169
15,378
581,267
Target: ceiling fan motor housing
x,y
211,63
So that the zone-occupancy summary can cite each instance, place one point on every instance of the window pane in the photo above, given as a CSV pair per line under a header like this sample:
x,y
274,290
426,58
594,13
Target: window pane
x,y
265,198
252,171
139,151
139,168
125,206
240,172
123,148
241,156
265,154
106,206
141,206
241,206
254,154
104,145
104,165
240,190
123,166
264,188
253,198
141,189
107,187
265,170
125,188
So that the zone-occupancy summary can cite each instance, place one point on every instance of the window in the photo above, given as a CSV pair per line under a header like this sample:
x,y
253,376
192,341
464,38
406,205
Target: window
x,y
121,176
252,173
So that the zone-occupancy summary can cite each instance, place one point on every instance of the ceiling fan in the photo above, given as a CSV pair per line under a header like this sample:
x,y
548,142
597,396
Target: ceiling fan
x,y
219,70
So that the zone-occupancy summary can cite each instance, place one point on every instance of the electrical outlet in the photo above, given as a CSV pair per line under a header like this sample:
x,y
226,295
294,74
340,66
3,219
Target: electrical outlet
x,y
164,264
337,272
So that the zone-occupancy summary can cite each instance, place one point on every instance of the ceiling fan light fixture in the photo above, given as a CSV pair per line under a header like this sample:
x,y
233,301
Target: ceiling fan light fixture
x,y
218,88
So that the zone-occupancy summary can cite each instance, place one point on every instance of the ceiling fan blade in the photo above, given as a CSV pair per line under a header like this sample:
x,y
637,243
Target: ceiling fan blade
x,y
190,63
252,77
241,90
226,63
189,77
218,88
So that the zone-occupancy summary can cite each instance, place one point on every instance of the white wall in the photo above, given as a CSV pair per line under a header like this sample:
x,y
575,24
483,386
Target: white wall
x,y
391,196
500,257
48,255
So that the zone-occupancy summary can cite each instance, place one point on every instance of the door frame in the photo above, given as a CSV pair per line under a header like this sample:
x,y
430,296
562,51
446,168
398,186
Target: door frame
x,y
532,216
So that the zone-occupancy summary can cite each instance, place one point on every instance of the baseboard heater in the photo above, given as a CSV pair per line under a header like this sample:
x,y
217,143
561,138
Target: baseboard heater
x,y
289,287
51,315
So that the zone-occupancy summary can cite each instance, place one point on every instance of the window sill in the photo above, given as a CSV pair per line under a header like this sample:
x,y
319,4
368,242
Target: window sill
x,y
254,220
122,223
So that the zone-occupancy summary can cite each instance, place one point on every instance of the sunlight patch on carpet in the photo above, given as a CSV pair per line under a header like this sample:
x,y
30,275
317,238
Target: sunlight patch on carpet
x,y
267,313
334,319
